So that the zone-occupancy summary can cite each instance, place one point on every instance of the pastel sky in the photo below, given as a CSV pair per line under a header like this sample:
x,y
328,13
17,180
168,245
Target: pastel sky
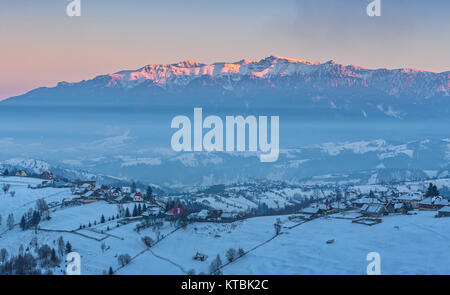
x,y
40,45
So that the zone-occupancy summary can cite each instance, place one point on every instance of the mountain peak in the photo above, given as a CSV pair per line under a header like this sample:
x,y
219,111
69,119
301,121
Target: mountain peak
x,y
276,58
188,64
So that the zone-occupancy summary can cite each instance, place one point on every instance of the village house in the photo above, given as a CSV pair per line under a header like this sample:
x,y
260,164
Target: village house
x,y
126,190
410,200
154,210
176,211
229,216
359,203
433,203
61,184
87,186
444,212
202,215
215,214
21,173
47,175
312,211
374,210
138,197
400,207
341,205
113,193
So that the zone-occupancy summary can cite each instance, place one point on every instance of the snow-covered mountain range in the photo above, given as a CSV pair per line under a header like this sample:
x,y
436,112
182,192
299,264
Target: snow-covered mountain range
x,y
273,72
270,69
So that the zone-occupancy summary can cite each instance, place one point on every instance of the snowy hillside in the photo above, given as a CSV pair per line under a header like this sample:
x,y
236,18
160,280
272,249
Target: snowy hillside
x,y
301,247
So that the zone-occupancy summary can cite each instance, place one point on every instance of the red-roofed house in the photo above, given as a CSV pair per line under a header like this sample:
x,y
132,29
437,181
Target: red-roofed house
x,y
176,211
138,197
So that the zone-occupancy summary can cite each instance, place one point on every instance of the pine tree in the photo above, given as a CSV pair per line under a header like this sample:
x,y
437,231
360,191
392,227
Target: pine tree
x,y
10,221
53,258
149,193
60,246
133,187
102,219
68,247
23,223
110,272
135,213
35,219
432,191
127,212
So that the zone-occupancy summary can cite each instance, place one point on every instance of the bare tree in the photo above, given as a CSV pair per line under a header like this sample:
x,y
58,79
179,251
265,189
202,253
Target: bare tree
x,y
277,226
6,188
147,241
61,246
124,259
10,221
231,255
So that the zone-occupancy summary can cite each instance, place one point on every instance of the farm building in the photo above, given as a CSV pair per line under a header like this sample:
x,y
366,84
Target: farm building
x,y
126,190
202,215
410,200
312,210
374,210
433,203
176,211
229,215
200,257
61,184
47,175
444,212
87,186
399,207
359,203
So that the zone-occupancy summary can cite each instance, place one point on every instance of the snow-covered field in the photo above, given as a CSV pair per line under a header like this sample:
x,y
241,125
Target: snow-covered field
x,y
408,244
420,245
25,198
